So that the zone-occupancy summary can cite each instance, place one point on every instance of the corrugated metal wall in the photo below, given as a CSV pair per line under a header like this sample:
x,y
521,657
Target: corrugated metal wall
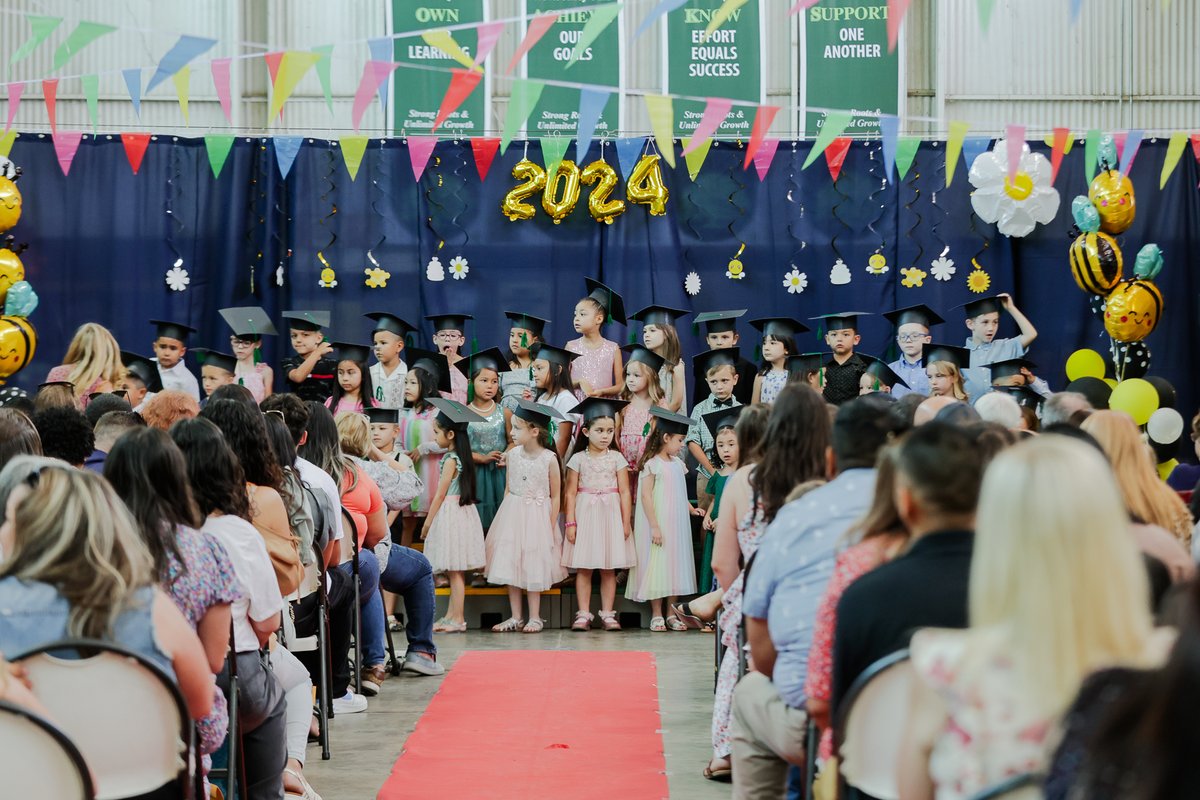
x,y
1126,63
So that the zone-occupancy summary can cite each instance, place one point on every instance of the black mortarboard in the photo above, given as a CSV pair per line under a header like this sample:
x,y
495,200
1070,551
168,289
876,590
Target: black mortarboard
x,y
720,321
595,407
390,323
779,326
983,305
172,330
382,416
669,422
724,418
449,322
536,413
648,357
920,314
841,320
883,373
528,322
348,351
452,413
609,300
436,364
958,356
248,322
143,369
491,358
214,358
806,362
307,320
555,355
1022,394
1011,367
657,315
705,361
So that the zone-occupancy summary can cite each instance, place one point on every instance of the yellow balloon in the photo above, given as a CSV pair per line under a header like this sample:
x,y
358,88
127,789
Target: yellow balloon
x,y
600,206
11,271
18,341
1132,310
1085,364
1112,383
1136,397
1112,195
562,191
10,204
513,205
645,185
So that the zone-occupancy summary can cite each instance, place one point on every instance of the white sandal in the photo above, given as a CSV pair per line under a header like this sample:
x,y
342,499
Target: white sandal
x,y
658,624
309,792
534,626
510,625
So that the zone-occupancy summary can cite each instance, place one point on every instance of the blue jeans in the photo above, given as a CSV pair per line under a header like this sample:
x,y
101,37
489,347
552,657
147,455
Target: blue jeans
x,y
795,783
409,575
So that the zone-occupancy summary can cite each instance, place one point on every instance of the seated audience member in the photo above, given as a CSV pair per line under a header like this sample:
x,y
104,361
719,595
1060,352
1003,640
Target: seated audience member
x,y
1057,591
109,428
1029,420
168,407
1185,476
1001,408
907,406
397,483
102,404
75,566
18,436
930,407
59,394
234,391
65,434
1062,406
783,591
92,363
961,414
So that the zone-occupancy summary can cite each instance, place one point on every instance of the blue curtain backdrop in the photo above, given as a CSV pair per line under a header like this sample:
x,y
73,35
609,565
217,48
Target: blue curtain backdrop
x,y
101,240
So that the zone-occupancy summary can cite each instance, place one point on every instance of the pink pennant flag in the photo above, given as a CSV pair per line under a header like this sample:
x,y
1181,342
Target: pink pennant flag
x,y
802,5
462,83
489,34
715,112
50,93
1014,135
420,148
1119,142
15,90
1196,145
764,156
66,145
537,29
273,61
374,74
220,74
896,9
485,150
762,123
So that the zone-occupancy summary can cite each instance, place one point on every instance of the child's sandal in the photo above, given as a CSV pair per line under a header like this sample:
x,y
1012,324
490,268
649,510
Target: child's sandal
x,y
658,624
610,621
676,624
510,625
583,621
533,626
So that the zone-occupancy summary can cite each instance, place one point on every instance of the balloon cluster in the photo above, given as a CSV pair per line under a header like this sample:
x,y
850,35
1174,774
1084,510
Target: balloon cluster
x,y
18,339
560,191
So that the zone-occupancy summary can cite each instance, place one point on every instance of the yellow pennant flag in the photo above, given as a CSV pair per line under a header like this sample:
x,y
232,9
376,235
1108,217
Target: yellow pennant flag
x,y
954,142
183,88
292,67
1175,149
6,143
443,40
353,148
662,116
721,15
695,159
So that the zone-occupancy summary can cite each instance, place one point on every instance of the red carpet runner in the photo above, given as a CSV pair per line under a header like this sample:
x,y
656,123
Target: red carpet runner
x,y
538,725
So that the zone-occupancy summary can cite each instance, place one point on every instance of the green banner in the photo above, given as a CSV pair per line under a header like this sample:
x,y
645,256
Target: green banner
x,y
726,64
418,92
557,110
846,64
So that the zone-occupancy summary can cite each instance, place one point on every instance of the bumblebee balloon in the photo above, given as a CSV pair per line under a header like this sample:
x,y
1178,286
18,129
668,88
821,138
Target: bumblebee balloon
x,y
18,341
11,271
1112,195
10,204
1132,310
1096,263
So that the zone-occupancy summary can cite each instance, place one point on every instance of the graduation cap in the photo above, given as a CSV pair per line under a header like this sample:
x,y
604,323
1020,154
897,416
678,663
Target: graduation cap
x,y
382,416
249,323
1009,368
453,414
657,315
670,422
215,358
983,305
705,361
648,357
537,413
436,364
723,418
595,407
919,315
779,326
449,322
958,356
348,351
879,370
555,355
491,359
1022,394
797,366
307,320
390,323
609,300
172,330
143,369
719,321
841,320
535,325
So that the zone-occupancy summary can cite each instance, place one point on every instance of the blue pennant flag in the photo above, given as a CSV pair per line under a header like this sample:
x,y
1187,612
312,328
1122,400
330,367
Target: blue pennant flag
x,y
628,152
591,104
179,56
286,148
889,129
133,82
973,147
381,50
662,9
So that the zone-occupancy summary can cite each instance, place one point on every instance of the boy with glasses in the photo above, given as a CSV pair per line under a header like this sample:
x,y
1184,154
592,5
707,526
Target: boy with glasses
x,y
912,334
448,337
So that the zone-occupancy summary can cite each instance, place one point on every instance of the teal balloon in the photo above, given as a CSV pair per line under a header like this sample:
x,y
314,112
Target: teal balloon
x,y
1108,152
1087,218
1147,266
22,300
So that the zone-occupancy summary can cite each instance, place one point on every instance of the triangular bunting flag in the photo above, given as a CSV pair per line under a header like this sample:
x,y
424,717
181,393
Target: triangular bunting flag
x,y
764,156
694,156
6,143
324,63
286,150
663,8
660,108
292,69
1175,149
15,90
601,18
954,142
524,96
1119,143
487,34
834,125
906,152
133,84
383,49
1062,141
591,106
443,40
84,34
50,95
183,89
220,76
374,74
835,155
629,150
896,9
1132,142
763,118
537,29
273,61
1090,153
40,29
889,131
462,83
186,49
353,148
485,150
1014,138
721,15
1076,7
973,147
91,94
715,111
985,13
1196,145
553,150
135,148
802,5
420,148
217,145
66,145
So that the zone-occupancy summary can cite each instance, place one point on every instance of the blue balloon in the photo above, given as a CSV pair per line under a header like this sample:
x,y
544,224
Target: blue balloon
x,y
1107,152
22,300
1149,262
1087,218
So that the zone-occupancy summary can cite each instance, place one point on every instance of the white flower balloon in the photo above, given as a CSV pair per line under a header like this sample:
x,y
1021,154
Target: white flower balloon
x,y
1019,205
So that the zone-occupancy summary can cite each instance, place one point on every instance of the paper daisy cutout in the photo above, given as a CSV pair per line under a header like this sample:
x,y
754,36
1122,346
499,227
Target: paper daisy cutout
x,y
328,278
840,274
177,277
434,270
795,281
942,268
459,268
691,284
913,277
877,264
736,271
377,277
978,281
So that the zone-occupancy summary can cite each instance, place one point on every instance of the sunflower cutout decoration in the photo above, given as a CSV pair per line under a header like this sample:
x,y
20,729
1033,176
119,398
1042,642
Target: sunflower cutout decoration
x,y
978,281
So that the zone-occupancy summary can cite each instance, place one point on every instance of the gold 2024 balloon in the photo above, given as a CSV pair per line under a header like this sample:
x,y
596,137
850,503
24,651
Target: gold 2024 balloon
x,y
11,271
645,185
10,204
562,191
1112,195
1132,310
600,206
18,341
513,205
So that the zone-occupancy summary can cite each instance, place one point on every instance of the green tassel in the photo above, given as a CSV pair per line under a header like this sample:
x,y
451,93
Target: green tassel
x,y
531,373
609,318
632,337
470,392
695,329
524,340
646,428
758,353
553,431
474,345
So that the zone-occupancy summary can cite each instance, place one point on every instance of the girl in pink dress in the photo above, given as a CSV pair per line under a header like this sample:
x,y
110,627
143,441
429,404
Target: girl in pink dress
x,y
553,386
418,438
642,390
598,369
352,391
250,324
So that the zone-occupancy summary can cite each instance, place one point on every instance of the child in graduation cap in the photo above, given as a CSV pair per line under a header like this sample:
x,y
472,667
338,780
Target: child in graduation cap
x,y
310,372
448,336
552,381
428,377
945,366
845,369
141,380
912,334
983,321
353,391
598,370
778,342
488,434
216,370
717,368
720,332
170,346
879,378
808,368
250,324
661,338
525,330
643,393
389,369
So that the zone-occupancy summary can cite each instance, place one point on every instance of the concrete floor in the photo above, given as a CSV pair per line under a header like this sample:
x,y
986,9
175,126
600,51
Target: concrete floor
x,y
366,745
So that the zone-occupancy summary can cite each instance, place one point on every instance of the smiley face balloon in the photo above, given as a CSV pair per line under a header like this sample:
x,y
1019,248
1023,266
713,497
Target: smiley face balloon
x,y
11,271
1132,310
10,204
1112,195
18,340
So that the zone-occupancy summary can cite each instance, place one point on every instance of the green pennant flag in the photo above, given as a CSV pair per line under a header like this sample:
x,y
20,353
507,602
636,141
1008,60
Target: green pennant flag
x,y
353,148
906,151
41,27
323,65
91,91
524,97
835,124
600,19
985,13
84,34
553,148
1091,150
218,146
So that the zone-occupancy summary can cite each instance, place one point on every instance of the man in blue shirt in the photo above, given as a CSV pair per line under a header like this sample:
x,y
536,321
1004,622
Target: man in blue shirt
x,y
784,586
912,332
983,320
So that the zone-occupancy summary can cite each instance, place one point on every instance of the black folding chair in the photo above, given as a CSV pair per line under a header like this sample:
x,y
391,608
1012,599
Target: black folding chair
x,y
234,769
878,778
